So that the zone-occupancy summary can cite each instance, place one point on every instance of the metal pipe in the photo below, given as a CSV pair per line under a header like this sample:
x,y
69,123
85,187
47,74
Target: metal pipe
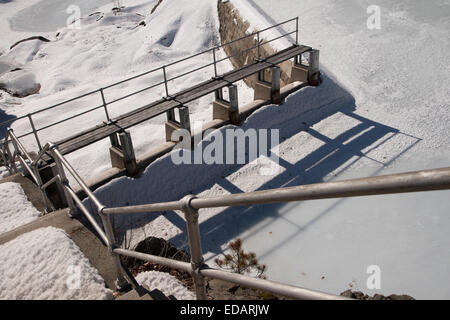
x,y
121,275
40,154
88,215
146,208
64,120
180,265
165,81
142,74
63,179
259,50
34,131
256,283
195,246
80,181
49,182
214,57
19,146
426,180
270,286
105,106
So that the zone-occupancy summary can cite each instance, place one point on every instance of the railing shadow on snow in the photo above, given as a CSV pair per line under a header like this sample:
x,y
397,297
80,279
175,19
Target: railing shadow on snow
x,y
165,181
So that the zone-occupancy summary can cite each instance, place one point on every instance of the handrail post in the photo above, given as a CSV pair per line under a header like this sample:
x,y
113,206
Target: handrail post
x,y
215,61
12,162
259,51
195,246
105,106
63,181
121,275
165,81
296,31
34,131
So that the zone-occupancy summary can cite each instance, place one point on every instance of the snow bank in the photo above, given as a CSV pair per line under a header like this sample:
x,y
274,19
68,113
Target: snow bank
x,y
45,264
19,83
15,209
166,283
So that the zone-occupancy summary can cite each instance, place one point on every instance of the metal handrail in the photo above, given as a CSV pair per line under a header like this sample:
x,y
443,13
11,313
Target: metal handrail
x,y
31,168
163,68
255,283
435,179
425,180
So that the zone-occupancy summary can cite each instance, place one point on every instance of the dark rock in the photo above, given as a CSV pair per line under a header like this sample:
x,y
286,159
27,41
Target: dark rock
x,y
30,38
361,296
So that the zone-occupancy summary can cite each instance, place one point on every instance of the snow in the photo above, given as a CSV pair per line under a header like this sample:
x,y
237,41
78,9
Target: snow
x,y
169,285
371,116
19,83
382,108
109,48
45,264
15,209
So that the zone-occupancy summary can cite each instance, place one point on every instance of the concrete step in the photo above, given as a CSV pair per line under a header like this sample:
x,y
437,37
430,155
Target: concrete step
x,y
81,232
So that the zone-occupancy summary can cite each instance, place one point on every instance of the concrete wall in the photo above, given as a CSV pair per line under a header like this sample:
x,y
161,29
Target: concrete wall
x,y
232,27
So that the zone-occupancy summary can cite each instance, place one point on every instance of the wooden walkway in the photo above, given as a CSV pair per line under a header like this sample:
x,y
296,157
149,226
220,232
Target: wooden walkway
x,y
156,108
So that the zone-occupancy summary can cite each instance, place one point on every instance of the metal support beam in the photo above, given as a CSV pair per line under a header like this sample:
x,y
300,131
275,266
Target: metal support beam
x,y
62,182
195,245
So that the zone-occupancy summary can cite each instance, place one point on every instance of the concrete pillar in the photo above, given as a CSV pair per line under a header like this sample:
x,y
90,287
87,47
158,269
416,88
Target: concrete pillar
x,y
276,81
269,90
170,115
299,72
128,153
307,73
228,110
173,125
122,154
185,122
314,73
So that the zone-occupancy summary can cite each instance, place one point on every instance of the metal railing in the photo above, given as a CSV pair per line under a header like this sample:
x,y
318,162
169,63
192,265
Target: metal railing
x,y
27,163
426,180
162,70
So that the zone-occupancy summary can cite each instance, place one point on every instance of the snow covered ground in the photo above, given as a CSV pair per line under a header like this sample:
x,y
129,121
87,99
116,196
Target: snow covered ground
x,y
376,113
108,48
382,108
15,209
45,264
